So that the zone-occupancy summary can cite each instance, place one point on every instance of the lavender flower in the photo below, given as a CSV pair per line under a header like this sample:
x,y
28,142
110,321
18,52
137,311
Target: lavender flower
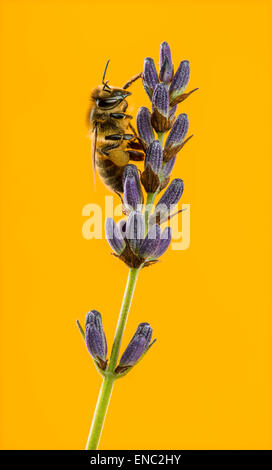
x,y
133,196
164,242
179,83
150,76
135,231
154,156
167,202
153,164
166,65
160,108
150,243
131,246
95,338
180,80
175,140
167,168
137,346
114,236
144,126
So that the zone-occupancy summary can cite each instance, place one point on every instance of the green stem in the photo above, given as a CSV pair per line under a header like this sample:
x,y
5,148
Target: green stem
x,y
161,137
131,282
108,381
100,413
149,203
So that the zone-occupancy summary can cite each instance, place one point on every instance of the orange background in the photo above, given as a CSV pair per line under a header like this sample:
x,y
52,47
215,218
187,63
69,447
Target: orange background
x,y
206,384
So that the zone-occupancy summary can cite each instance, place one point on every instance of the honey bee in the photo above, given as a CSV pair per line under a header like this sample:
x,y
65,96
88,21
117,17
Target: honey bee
x,y
114,140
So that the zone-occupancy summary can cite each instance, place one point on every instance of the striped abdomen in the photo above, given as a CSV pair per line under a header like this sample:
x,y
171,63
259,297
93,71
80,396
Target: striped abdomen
x,y
111,174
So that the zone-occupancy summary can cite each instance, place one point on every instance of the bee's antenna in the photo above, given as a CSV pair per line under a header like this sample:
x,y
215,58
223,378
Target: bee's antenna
x,y
104,75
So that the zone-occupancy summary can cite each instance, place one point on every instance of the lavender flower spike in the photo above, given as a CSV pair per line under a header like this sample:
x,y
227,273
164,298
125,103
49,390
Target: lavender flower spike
x,y
150,76
168,201
144,126
175,140
133,196
166,65
95,338
114,236
137,346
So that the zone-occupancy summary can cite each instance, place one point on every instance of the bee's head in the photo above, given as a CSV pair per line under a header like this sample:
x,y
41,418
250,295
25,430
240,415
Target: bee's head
x,y
107,97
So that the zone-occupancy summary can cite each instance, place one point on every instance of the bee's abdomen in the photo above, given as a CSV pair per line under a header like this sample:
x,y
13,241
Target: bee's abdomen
x,y
111,174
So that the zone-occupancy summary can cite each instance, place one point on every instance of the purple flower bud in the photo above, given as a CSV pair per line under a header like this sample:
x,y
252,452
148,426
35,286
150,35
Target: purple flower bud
x,y
114,236
144,126
164,243
133,196
181,77
180,80
150,76
135,230
166,65
168,167
160,109
151,242
137,346
178,131
160,100
168,201
173,193
122,226
176,136
172,112
154,156
95,338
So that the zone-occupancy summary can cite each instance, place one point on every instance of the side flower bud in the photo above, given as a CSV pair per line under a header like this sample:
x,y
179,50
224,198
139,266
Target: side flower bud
x,y
153,164
150,76
114,236
166,172
135,230
160,107
175,141
166,65
180,80
164,242
179,83
150,243
136,348
95,338
144,126
133,195
167,202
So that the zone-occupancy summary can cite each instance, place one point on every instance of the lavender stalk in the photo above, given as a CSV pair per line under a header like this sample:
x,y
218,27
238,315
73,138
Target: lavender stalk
x,y
139,240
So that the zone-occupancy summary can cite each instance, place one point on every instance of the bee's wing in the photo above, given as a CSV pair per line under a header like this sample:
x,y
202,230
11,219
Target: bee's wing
x,y
93,150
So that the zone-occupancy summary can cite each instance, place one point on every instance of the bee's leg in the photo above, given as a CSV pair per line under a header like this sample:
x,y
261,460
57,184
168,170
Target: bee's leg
x,y
120,116
119,137
136,156
142,145
132,80
105,150
125,211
